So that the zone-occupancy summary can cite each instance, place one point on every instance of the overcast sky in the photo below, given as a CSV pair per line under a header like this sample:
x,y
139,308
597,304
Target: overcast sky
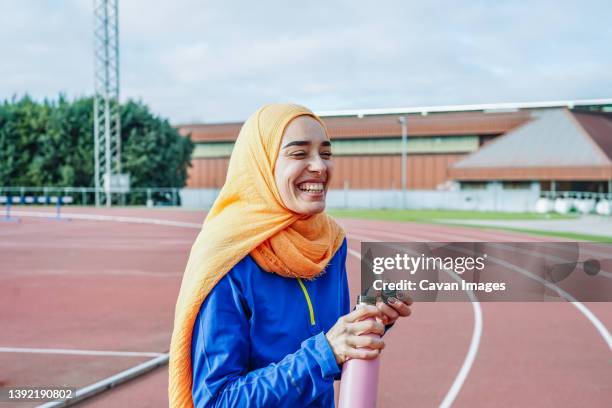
x,y
211,61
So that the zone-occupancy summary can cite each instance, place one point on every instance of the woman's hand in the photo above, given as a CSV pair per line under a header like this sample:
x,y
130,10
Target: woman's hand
x,y
396,307
345,337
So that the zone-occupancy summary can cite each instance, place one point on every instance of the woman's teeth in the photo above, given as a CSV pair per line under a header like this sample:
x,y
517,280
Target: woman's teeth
x,y
311,187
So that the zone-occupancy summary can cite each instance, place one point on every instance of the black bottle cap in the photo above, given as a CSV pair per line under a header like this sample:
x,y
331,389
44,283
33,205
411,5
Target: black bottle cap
x,y
366,300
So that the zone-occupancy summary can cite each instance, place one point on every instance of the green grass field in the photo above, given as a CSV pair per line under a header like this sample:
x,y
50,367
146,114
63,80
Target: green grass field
x,y
437,215
440,216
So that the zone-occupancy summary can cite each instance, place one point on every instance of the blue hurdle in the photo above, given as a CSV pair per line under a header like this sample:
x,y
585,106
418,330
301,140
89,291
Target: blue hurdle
x,y
7,213
58,206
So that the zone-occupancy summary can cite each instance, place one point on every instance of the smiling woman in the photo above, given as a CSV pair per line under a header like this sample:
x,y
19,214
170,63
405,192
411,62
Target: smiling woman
x,y
262,317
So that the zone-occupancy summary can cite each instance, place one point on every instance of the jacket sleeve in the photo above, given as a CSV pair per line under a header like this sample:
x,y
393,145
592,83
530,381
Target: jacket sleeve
x,y
220,360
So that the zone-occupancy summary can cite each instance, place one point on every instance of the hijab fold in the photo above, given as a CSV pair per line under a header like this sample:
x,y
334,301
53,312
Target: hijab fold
x,y
248,217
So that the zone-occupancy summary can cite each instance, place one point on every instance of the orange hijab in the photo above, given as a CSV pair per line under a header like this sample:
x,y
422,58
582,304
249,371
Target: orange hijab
x,y
248,216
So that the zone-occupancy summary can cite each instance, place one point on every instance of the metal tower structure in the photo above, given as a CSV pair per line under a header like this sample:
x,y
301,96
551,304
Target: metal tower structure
x,y
107,127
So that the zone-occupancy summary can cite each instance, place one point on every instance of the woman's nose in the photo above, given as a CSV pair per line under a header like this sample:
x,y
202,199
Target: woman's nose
x,y
317,165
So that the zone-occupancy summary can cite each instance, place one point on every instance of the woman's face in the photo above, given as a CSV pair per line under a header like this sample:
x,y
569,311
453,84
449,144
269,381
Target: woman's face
x,y
304,166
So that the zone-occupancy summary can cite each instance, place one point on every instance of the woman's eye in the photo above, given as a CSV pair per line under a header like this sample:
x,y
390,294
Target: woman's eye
x,y
326,154
298,154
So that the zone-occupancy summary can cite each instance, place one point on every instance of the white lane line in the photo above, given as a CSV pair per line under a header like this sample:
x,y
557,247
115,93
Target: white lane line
x,y
122,274
110,382
470,356
96,217
468,362
79,352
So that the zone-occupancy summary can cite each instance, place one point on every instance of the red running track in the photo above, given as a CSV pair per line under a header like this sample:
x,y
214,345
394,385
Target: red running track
x,y
111,286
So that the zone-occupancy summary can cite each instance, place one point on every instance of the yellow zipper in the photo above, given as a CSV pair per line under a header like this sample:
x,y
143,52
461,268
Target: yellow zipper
x,y
312,318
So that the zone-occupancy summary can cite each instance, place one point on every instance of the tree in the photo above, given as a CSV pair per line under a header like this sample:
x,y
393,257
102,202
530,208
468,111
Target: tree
x,y
153,152
51,144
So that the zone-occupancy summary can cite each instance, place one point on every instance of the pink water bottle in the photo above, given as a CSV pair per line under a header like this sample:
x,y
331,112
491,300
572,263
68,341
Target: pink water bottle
x,y
359,382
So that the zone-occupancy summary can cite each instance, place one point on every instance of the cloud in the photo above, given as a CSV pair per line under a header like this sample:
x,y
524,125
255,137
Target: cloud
x,y
212,61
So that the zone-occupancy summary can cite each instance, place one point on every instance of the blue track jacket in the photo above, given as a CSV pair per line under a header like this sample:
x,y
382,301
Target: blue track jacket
x,y
259,341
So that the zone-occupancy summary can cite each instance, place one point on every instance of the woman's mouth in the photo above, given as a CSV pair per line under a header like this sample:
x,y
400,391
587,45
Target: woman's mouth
x,y
314,190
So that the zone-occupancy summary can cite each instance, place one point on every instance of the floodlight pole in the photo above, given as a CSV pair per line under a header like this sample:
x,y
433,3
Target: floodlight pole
x,y
107,126
403,121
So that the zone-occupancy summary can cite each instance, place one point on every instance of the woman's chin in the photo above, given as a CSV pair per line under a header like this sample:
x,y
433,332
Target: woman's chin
x,y
312,207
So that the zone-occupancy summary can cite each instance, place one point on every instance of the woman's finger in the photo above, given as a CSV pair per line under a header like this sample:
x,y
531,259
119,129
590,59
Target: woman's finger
x,y
390,313
400,307
362,353
366,326
371,342
404,297
362,312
